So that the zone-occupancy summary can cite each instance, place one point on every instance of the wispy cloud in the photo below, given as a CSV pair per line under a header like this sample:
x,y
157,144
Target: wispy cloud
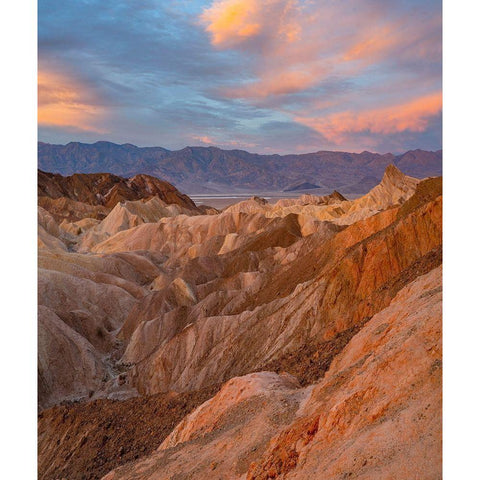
x,y
204,139
66,102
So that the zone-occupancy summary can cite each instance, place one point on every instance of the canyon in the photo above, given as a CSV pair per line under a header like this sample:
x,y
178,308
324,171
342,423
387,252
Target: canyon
x,y
294,339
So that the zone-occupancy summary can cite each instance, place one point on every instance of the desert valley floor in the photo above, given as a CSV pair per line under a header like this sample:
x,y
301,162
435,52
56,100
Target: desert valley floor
x,y
296,339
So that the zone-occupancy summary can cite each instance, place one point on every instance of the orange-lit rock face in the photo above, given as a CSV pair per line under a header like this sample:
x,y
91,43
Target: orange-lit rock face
x,y
376,414
381,399
327,290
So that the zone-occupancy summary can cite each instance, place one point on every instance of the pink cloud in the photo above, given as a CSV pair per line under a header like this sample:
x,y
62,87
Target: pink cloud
x,y
208,140
64,101
297,45
414,116
379,51
204,139
285,83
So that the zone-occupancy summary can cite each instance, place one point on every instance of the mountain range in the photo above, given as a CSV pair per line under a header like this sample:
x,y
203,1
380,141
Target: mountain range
x,y
196,170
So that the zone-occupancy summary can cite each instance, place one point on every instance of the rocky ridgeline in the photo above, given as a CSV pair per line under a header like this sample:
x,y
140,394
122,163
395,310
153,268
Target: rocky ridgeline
x,y
211,169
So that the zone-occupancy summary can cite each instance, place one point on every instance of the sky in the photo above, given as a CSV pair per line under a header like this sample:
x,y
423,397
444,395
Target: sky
x,y
267,76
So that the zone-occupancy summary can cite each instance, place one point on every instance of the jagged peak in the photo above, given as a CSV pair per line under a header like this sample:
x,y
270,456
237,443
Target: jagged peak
x,y
392,172
395,178
394,188
337,196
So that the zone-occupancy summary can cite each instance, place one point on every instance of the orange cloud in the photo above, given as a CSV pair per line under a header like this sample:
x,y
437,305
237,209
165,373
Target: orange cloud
x,y
204,139
65,102
231,22
285,82
298,44
414,116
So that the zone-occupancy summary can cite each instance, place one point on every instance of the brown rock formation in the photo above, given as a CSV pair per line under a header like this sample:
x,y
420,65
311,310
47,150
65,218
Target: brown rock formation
x,y
63,208
107,189
84,441
329,289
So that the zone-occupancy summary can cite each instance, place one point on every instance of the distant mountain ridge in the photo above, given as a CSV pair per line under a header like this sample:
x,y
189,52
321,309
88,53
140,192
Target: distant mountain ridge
x,y
211,169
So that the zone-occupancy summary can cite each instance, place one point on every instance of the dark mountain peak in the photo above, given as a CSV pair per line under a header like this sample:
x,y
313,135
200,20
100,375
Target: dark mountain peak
x,y
259,200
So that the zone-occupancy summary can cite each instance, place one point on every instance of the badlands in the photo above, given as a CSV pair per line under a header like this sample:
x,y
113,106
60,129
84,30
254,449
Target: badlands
x,y
293,340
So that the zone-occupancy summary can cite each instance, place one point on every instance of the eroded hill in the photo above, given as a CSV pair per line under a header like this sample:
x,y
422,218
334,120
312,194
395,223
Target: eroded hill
x,y
300,339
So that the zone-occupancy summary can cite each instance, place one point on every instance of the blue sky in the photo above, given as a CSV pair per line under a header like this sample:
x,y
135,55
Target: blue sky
x,y
265,76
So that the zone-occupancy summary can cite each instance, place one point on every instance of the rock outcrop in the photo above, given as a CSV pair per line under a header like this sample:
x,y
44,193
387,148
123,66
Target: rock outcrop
x,y
107,190
374,415
69,366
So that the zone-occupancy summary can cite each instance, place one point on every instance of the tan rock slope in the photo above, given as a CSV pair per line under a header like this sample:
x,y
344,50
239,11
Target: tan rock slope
x,y
336,285
126,215
317,320
394,189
